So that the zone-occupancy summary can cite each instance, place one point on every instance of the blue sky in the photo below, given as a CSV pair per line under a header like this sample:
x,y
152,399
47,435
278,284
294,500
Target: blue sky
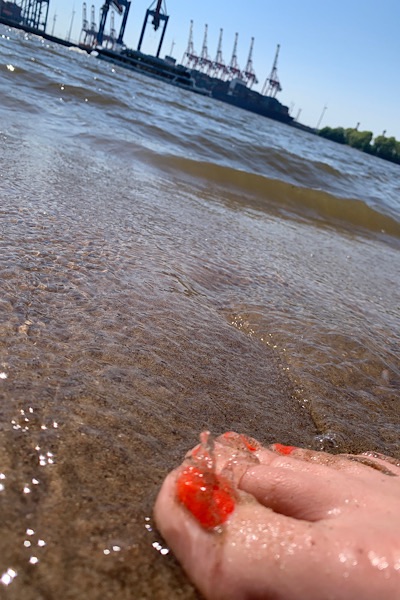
x,y
343,55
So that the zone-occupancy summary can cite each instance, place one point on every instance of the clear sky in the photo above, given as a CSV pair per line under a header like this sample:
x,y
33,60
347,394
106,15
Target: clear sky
x,y
343,55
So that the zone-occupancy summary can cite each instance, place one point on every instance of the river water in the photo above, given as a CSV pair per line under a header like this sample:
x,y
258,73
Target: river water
x,y
169,264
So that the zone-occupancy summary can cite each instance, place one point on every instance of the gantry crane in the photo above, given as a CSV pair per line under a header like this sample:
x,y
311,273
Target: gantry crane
x,y
159,15
85,24
272,84
122,7
219,68
190,58
234,69
34,13
89,30
248,73
205,62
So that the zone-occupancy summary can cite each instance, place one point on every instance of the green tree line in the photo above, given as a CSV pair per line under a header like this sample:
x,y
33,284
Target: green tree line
x,y
387,148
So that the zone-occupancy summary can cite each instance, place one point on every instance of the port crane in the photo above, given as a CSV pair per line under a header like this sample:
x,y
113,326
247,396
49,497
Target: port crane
x,y
93,24
159,15
85,22
122,7
89,30
234,68
205,62
248,73
190,58
272,84
31,13
219,68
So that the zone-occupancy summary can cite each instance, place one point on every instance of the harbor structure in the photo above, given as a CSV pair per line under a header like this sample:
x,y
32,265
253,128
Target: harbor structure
x,y
29,13
198,71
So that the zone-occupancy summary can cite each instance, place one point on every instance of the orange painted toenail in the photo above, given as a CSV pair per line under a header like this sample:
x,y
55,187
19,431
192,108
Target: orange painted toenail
x,y
282,449
248,442
240,439
208,496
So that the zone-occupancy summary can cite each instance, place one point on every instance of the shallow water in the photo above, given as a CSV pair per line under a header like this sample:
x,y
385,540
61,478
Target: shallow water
x,y
170,264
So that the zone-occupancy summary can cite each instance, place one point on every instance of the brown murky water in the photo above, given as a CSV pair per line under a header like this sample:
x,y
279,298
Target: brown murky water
x,y
142,303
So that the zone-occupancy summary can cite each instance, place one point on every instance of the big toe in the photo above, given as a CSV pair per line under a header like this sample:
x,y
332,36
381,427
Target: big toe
x,y
237,561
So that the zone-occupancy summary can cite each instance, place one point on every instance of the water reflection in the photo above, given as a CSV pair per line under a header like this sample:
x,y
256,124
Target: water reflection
x,y
8,576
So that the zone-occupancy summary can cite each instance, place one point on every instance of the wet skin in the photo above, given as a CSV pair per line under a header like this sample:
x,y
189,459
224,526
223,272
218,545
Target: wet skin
x,y
290,524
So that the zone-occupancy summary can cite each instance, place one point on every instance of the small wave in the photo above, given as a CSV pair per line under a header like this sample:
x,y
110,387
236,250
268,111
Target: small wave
x,y
263,193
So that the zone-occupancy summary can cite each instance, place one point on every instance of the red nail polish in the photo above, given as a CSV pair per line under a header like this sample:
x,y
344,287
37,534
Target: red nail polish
x,y
282,449
249,443
240,441
208,496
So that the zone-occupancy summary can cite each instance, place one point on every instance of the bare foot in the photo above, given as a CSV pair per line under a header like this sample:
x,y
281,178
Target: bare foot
x,y
283,523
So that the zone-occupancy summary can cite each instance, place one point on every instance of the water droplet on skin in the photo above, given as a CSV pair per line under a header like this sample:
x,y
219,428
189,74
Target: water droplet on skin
x,y
380,562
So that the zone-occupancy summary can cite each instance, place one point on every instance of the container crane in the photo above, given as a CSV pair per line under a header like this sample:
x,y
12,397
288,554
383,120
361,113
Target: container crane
x,y
205,62
219,68
122,7
159,15
272,84
34,13
93,24
85,25
89,31
234,69
190,58
248,74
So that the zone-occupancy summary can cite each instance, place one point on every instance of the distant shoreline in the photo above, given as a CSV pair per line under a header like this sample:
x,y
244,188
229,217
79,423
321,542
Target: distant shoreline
x,y
385,148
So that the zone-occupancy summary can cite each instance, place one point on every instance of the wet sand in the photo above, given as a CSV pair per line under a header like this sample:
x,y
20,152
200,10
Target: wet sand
x,y
119,344
105,391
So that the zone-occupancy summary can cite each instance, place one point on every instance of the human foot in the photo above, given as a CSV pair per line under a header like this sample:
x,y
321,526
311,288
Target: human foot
x,y
300,524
